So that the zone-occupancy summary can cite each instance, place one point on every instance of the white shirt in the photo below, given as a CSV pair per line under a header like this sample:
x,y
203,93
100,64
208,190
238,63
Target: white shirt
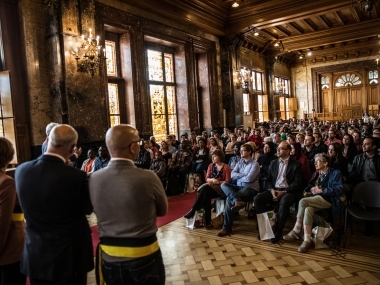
x,y
281,177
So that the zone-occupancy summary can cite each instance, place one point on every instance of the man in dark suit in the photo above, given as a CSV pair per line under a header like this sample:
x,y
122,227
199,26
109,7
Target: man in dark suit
x,y
284,185
55,200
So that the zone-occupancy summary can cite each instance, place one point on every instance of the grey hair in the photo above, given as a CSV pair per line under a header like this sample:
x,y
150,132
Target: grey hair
x,y
324,157
49,127
63,139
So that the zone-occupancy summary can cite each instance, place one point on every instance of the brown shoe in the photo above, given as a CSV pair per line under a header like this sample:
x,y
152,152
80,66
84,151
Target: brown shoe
x,y
238,204
224,233
305,246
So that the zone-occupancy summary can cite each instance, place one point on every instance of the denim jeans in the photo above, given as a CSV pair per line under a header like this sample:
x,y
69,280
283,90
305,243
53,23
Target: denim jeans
x,y
145,270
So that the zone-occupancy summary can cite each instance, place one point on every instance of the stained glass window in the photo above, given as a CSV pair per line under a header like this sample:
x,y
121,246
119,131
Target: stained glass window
x,y
113,103
246,103
111,58
162,93
286,86
156,71
7,119
259,81
253,79
348,80
325,82
373,77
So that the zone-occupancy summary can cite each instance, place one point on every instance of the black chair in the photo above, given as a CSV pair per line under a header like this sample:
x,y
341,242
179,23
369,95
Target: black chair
x,y
365,199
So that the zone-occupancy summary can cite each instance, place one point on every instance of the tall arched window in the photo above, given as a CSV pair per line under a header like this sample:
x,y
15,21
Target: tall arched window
x,y
162,91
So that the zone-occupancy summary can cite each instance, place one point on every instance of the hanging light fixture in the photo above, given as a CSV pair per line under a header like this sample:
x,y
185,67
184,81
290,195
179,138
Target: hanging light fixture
x,y
256,33
277,44
309,52
89,54
235,5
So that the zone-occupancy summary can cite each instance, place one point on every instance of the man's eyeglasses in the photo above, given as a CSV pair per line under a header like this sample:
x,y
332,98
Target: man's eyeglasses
x,y
133,143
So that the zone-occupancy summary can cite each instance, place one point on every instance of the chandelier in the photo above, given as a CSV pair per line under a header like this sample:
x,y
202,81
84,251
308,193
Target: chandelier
x,y
89,54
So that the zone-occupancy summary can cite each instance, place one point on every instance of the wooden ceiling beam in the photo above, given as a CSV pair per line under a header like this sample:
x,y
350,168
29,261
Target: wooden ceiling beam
x,y
279,14
296,27
333,35
339,18
269,34
283,30
325,23
308,23
355,14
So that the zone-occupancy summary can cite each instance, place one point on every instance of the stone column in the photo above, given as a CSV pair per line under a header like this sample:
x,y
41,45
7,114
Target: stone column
x,y
229,63
269,71
77,98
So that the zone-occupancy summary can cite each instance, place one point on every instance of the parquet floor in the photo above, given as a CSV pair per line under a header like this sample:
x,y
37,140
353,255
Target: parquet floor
x,y
200,257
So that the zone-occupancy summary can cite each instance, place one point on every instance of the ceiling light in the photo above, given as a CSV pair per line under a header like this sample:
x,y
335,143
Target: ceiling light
x,y
256,33
301,56
235,5
276,44
309,52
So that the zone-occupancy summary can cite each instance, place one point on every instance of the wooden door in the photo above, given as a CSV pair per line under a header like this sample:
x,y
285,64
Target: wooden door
x,y
356,96
326,101
341,100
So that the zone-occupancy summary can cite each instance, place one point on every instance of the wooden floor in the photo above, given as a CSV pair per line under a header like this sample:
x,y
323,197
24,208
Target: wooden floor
x,y
199,257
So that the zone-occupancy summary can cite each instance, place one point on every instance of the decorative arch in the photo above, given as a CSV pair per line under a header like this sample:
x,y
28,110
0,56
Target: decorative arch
x,y
348,79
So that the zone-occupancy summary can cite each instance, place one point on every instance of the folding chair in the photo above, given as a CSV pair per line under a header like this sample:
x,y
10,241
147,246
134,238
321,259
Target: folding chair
x,y
365,200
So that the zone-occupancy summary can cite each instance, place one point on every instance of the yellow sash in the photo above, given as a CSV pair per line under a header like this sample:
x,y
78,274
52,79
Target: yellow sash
x,y
130,252
17,217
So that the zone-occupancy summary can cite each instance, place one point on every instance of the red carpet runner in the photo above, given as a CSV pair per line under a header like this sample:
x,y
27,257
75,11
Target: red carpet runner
x,y
178,206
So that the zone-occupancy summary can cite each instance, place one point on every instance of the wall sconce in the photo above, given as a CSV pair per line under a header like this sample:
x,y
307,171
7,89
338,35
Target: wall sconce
x,y
89,54
245,76
377,62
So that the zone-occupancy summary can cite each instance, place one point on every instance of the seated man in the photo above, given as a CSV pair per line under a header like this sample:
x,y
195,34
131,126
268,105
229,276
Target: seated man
x,y
180,164
245,176
284,185
158,165
366,167
143,158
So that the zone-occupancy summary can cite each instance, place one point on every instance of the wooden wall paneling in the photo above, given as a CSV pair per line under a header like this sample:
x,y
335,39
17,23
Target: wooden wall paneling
x,y
373,95
326,98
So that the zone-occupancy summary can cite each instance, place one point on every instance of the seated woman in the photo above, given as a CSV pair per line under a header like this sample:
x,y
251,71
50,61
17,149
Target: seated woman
x,y
217,173
265,159
201,159
349,149
165,152
213,146
296,154
337,160
325,187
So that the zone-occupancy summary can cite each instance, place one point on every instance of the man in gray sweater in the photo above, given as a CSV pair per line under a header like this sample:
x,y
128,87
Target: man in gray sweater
x,y
127,201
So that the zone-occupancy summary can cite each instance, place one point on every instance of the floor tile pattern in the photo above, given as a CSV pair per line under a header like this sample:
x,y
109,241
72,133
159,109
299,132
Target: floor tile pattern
x,y
199,256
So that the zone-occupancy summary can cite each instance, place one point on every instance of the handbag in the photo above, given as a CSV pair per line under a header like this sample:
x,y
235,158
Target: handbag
x,y
218,221
196,221
266,222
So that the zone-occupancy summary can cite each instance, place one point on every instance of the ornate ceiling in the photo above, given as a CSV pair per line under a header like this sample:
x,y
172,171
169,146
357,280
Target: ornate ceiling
x,y
326,29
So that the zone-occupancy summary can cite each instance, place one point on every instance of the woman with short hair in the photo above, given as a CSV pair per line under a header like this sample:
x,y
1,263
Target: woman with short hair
x,y
12,228
325,188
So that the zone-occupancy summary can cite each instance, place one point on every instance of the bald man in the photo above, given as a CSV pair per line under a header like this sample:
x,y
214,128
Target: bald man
x,y
55,199
127,201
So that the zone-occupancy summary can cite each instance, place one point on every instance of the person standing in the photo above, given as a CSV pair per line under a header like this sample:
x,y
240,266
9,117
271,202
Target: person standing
x,y
55,200
12,228
127,207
